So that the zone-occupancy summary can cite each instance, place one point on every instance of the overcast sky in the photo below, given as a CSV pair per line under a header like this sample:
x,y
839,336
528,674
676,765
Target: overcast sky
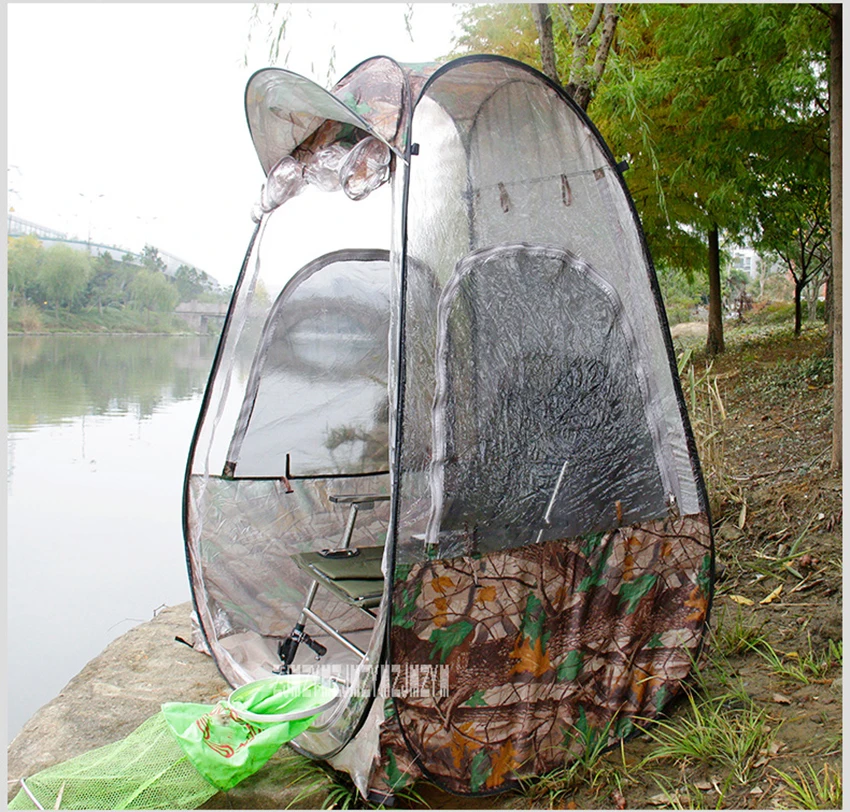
x,y
126,121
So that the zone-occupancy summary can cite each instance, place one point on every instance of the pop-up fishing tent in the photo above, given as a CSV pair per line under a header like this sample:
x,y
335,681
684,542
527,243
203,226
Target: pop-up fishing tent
x,y
443,457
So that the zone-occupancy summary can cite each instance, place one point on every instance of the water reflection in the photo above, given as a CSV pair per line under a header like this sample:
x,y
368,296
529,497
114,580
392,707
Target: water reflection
x,y
99,432
53,378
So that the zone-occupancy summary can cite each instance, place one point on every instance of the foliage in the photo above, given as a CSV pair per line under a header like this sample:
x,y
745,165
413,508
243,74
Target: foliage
x,y
506,29
716,92
24,257
63,275
682,293
152,291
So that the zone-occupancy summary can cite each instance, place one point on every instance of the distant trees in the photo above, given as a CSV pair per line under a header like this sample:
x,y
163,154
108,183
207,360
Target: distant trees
x,y
54,277
23,260
62,278
151,259
193,284
793,223
152,291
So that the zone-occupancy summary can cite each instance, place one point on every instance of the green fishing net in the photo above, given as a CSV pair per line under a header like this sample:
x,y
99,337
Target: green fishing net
x,y
183,755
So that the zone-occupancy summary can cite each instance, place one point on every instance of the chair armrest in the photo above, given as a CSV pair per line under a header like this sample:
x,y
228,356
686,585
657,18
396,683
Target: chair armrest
x,y
360,499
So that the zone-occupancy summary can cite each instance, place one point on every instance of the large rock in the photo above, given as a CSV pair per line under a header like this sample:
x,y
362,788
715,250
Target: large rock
x,y
125,685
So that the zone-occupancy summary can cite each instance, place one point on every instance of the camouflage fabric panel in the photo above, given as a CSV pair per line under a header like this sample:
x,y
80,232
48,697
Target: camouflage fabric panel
x,y
397,767
542,650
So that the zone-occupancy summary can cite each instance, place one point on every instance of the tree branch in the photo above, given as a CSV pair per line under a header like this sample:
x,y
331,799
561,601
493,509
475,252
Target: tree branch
x,y
543,21
585,35
608,31
569,21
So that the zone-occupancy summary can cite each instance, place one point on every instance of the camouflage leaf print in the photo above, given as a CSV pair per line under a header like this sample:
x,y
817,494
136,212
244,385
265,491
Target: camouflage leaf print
x,y
446,640
632,591
549,646
570,668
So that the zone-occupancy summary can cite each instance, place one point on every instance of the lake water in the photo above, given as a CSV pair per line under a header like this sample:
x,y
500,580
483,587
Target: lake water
x,y
98,435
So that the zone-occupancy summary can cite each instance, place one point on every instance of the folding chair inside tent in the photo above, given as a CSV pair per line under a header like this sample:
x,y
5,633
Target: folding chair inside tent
x,y
324,352
352,574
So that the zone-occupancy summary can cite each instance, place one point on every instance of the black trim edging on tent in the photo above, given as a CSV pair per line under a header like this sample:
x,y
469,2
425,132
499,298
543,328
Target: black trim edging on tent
x,y
205,402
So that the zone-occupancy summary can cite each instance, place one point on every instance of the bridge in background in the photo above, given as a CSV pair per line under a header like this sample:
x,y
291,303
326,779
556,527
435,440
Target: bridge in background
x,y
199,315
18,227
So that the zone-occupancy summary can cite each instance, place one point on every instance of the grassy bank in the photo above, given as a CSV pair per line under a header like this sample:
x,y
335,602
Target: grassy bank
x,y
29,319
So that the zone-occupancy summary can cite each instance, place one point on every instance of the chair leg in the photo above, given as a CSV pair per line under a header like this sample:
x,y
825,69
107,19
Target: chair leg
x,y
288,648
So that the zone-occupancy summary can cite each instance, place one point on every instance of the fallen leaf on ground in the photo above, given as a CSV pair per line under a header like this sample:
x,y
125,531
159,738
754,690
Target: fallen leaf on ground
x,y
740,599
781,699
772,596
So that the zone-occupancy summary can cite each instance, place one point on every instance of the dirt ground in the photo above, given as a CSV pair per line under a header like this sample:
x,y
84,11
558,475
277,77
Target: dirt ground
x,y
761,729
777,615
777,512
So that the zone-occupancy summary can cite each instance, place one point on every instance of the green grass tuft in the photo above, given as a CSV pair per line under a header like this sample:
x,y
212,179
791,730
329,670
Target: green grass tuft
x,y
808,789
726,731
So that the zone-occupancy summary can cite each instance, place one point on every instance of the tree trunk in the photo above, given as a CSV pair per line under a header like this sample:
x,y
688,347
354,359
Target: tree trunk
x,y
827,306
798,308
715,344
812,300
835,109
583,81
543,20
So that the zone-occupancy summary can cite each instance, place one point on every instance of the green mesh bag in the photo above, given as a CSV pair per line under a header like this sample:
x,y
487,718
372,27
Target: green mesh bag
x,y
183,755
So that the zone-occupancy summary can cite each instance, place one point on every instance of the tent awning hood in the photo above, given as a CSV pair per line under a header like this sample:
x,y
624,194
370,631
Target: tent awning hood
x,y
289,115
